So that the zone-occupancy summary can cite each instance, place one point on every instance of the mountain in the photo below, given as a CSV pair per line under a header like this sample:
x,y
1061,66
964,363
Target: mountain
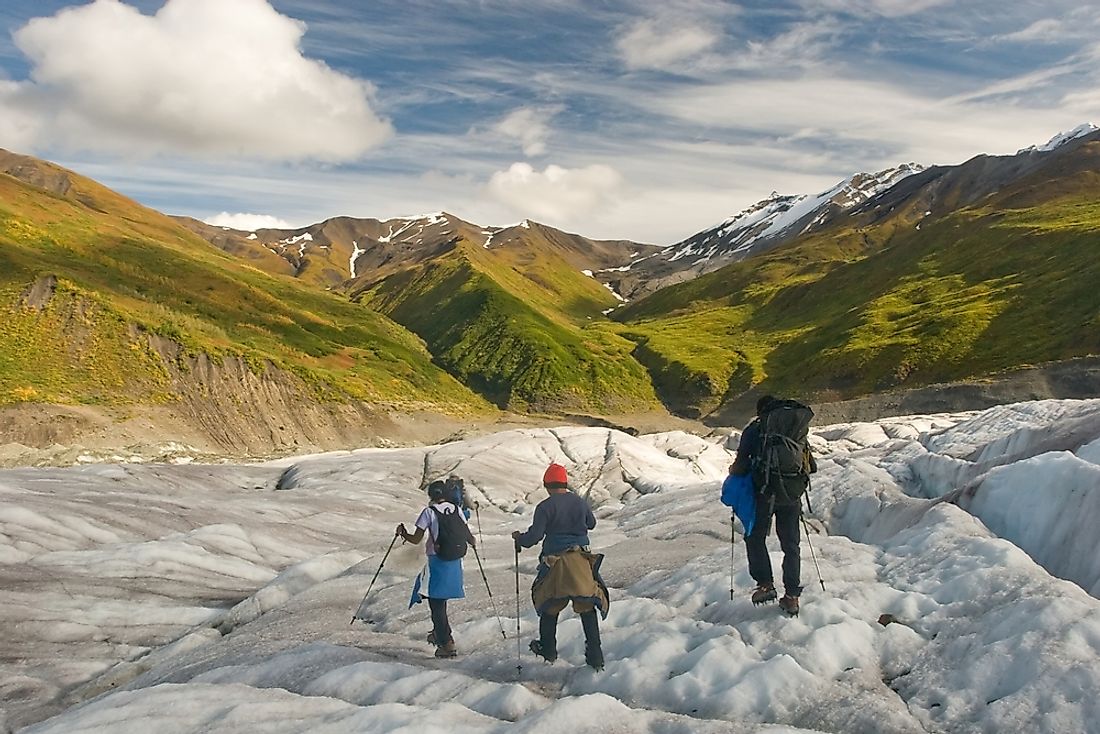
x,y
513,315
313,337
276,339
954,272
115,307
1062,138
514,312
765,225
348,252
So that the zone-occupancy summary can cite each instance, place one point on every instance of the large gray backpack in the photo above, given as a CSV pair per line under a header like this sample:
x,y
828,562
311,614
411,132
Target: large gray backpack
x,y
782,465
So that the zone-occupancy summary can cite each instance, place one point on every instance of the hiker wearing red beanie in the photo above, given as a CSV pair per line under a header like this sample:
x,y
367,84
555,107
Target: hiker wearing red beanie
x,y
567,571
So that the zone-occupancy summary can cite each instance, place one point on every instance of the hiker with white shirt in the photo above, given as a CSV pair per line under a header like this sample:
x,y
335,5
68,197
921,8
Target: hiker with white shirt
x,y
448,537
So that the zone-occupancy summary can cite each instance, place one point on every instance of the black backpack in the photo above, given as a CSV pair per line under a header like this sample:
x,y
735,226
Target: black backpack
x,y
782,464
450,543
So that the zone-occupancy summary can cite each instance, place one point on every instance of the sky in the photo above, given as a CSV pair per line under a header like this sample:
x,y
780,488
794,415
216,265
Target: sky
x,y
202,599
610,118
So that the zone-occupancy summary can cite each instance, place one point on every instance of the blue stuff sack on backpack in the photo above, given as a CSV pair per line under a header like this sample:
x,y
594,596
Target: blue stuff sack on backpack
x,y
739,493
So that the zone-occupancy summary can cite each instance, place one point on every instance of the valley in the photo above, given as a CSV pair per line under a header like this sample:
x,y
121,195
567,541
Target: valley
x,y
125,324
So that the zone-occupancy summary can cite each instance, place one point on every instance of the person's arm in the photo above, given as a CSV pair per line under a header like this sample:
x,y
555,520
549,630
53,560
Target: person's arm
x,y
534,533
589,518
742,464
408,537
423,525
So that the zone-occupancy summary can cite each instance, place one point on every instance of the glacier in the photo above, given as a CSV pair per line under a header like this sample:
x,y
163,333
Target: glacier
x,y
956,552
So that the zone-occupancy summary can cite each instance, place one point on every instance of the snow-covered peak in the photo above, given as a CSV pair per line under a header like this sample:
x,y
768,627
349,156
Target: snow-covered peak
x,y
407,227
777,215
432,218
863,186
1061,139
494,231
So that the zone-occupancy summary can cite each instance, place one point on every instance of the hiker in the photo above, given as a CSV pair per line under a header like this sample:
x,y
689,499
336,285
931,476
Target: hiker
x,y
456,494
441,579
568,571
779,492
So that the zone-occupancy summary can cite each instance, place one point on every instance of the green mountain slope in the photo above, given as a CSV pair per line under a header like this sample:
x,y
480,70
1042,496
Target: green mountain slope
x,y
521,326
128,284
957,272
892,297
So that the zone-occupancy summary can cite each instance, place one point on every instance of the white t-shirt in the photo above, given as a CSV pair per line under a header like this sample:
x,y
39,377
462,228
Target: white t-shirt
x,y
430,523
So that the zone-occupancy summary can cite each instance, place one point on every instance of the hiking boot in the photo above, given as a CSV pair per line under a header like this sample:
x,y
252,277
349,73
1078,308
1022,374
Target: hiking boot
x,y
594,657
447,651
763,593
789,604
545,653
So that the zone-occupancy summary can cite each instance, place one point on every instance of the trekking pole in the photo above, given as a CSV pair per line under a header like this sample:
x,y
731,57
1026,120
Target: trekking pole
x,y
371,586
519,664
491,600
733,538
812,554
477,514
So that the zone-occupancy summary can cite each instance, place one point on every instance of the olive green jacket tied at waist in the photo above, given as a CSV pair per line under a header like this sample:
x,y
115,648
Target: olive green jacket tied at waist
x,y
571,576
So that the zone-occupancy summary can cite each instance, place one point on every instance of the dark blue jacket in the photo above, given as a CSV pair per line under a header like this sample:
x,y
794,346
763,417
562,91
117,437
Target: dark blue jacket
x,y
747,448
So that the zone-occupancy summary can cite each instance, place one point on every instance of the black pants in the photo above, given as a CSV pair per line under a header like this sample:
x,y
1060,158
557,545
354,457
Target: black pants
x,y
548,633
441,626
786,527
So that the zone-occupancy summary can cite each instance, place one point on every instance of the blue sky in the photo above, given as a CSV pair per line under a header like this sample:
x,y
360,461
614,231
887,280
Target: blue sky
x,y
614,119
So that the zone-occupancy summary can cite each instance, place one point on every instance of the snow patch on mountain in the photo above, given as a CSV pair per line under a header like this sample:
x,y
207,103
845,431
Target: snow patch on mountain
x,y
304,237
354,256
618,296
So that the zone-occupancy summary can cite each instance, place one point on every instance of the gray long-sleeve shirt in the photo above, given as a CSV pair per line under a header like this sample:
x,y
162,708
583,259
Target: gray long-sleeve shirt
x,y
563,519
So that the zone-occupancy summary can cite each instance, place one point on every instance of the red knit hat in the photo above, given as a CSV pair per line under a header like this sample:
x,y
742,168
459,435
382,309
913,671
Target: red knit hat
x,y
555,476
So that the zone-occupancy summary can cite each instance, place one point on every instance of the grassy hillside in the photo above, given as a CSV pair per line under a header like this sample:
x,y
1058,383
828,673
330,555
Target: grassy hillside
x,y
93,286
1008,282
523,328
124,272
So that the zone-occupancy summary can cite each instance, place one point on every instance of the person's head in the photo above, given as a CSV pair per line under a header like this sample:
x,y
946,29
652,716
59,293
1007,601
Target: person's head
x,y
555,478
437,490
764,404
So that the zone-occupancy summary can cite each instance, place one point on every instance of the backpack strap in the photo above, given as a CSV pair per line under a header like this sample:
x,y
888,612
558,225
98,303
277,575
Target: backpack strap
x,y
439,515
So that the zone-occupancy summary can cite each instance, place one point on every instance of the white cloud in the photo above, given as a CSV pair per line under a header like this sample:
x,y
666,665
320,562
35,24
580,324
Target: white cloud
x,y
17,126
1047,29
200,77
653,43
887,8
886,119
529,126
247,222
803,44
556,195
